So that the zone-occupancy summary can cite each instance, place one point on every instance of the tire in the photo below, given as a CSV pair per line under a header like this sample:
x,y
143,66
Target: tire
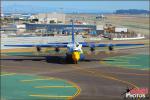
x,y
69,58
111,48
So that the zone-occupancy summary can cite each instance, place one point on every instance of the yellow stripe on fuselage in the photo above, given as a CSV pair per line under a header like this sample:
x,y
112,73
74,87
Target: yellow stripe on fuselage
x,y
76,55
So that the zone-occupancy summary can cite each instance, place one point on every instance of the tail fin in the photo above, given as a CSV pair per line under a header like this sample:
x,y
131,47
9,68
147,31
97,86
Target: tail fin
x,y
73,39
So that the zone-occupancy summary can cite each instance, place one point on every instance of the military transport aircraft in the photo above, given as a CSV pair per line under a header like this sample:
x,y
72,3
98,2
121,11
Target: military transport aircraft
x,y
74,49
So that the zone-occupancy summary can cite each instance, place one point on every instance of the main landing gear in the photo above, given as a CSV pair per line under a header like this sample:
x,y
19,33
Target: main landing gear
x,y
69,59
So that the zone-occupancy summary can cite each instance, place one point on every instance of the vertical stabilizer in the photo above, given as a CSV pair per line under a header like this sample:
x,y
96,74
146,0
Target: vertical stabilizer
x,y
73,39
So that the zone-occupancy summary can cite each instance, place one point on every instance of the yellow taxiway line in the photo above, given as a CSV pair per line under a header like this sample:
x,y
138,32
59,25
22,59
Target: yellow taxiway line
x,y
50,78
36,80
78,90
128,57
94,73
145,69
130,73
125,60
120,66
128,65
8,74
119,62
54,86
49,96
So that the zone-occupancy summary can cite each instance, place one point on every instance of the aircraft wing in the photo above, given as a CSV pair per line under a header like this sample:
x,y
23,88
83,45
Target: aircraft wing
x,y
91,44
107,45
104,45
69,42
38,45
62,44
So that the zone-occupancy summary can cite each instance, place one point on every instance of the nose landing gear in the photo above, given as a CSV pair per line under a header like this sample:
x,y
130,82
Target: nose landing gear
x,y
69,59
75,62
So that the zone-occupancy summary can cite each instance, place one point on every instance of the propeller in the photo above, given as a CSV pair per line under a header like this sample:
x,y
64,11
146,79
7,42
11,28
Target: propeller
x,y
110,47
92,49
38,49
57,49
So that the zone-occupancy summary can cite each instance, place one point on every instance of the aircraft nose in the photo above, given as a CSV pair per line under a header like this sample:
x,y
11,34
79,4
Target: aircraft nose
x,y
75,56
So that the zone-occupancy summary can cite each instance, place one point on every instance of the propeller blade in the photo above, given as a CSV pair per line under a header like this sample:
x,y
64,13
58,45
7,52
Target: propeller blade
x,y
92,49
38,49
110,48
57,49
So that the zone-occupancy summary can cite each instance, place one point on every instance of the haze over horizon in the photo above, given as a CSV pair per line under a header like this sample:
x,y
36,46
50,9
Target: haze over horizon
x,y
71,6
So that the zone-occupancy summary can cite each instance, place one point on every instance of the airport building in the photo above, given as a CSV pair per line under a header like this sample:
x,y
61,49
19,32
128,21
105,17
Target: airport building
x,y
121,30
61,28
48,18
17,16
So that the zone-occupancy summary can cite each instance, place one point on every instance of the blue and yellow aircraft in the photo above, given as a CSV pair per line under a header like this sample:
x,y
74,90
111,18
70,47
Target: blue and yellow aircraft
x,y
74,49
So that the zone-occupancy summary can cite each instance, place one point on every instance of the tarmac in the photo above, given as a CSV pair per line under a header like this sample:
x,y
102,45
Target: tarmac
x,y
95,77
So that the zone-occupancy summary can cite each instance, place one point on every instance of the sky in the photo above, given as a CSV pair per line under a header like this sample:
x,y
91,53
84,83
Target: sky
x,y
71,6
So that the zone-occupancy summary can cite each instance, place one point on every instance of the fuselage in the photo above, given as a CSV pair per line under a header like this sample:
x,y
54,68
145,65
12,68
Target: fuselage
x,y
75,50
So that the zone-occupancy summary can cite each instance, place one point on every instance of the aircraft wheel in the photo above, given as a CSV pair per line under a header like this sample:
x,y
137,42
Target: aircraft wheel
x,y
48,59
75,62
69,58
111,48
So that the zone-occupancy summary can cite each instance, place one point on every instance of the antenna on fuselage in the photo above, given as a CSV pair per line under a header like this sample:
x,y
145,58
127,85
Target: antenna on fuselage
x,y
73,39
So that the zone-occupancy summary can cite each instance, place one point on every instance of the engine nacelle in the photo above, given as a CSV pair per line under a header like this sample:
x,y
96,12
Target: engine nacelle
x,y
92,49
38,48
111,48
57,49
